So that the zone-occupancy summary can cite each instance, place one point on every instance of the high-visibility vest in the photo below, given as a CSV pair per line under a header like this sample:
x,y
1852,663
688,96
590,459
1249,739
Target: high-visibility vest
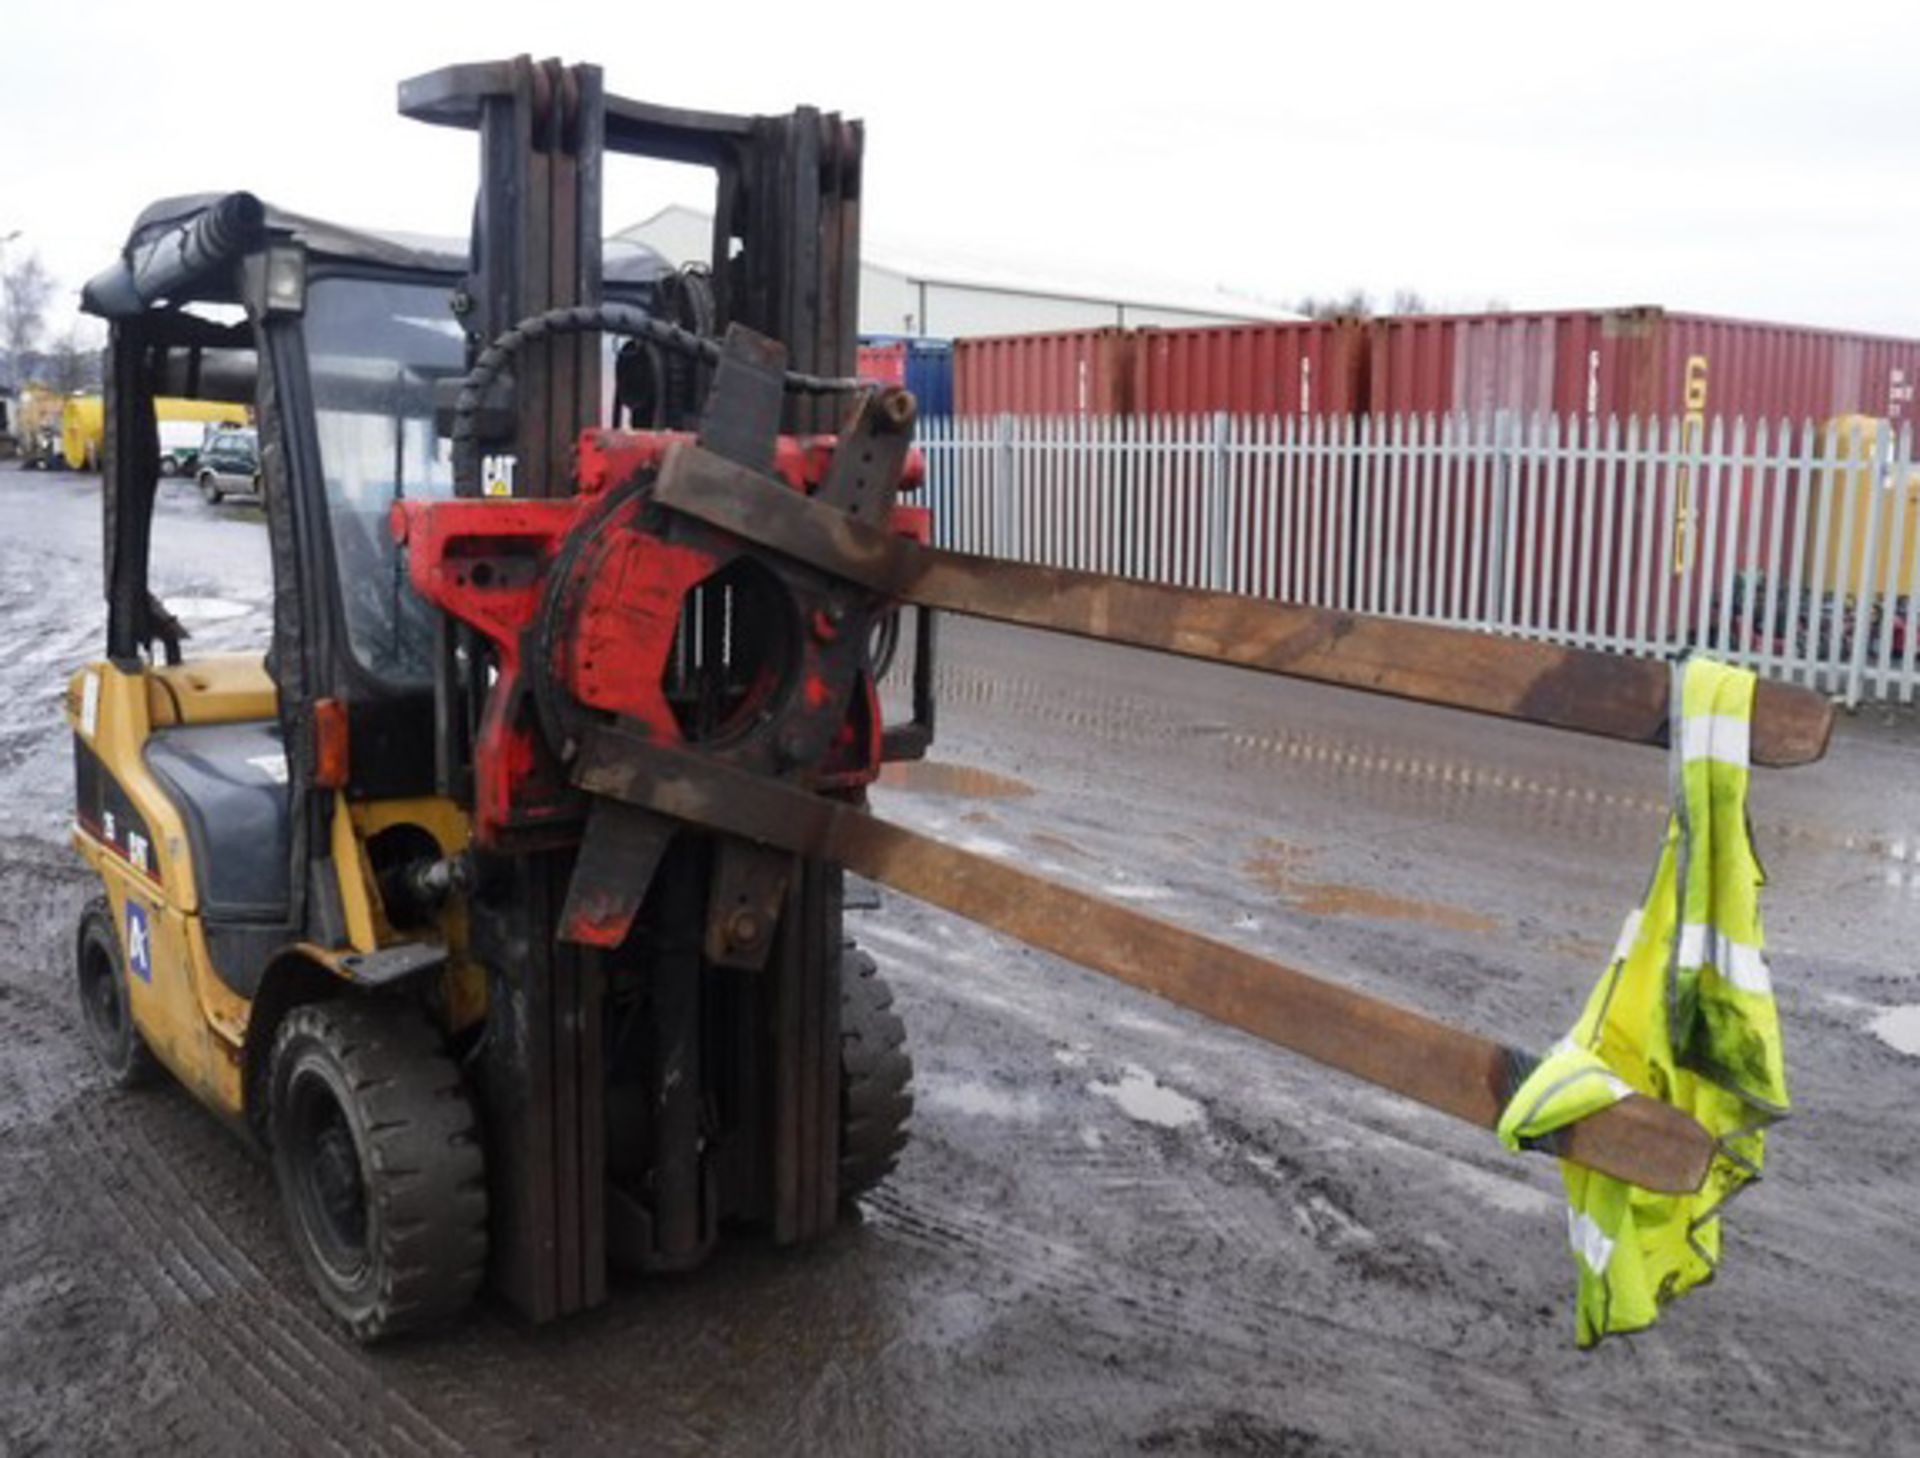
x,y
1685,1014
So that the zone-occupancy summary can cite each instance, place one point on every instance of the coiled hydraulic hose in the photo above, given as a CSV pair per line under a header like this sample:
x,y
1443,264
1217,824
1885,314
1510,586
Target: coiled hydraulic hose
x,y
623,320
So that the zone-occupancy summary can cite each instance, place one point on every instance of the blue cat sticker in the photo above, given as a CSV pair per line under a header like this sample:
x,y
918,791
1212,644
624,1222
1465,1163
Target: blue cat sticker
x,y
139,944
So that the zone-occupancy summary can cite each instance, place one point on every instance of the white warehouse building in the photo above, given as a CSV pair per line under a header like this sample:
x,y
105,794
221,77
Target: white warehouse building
x,y
903,292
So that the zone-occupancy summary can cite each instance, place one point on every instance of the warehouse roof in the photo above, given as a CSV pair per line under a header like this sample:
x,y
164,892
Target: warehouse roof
x,y
953,269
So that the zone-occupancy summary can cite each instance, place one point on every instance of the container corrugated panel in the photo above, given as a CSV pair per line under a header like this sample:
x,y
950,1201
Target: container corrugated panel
x,y
924,365
1312,367
1735,367
1578,362
1641,361
882,364
1072,372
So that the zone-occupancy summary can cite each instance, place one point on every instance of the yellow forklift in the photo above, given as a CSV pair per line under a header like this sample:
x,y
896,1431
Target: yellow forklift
x,y
502,899
303,918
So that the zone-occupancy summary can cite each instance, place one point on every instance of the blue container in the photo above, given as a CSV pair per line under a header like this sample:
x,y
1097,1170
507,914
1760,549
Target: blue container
x,y
929,370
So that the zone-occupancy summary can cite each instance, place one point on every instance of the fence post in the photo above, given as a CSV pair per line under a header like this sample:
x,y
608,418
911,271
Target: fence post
x,y
1879,482
1003,545
1219,468
1499,590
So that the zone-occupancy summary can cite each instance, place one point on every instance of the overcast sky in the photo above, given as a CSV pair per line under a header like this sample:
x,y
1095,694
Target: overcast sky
x,y
1745,159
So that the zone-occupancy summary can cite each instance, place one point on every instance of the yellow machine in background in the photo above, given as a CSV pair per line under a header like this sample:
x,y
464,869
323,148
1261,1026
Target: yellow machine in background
x,y
37,418
83,423
1853,444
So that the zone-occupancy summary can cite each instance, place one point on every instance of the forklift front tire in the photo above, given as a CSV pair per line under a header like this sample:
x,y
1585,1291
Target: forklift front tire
x,y
210,488
876,1076
104,1007
377,1154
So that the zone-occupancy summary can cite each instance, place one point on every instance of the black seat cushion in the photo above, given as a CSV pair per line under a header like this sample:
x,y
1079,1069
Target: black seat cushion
x,y
229,782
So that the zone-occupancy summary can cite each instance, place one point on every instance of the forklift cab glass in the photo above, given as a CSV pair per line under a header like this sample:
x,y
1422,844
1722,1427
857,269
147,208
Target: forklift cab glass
x,y
375,347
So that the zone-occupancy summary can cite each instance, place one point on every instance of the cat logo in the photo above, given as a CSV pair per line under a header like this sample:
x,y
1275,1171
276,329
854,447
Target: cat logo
x,y
139,944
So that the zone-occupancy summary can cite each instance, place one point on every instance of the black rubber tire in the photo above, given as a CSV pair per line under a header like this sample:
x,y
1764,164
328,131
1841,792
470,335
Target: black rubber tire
x,y
210,488
876,1076
100,980
377,1153
169,466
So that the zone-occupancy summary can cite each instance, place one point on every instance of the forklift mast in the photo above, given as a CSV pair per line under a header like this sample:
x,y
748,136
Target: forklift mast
x,y
785,264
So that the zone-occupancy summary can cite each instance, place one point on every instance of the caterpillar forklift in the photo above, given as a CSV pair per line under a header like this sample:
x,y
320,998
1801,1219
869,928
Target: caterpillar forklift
x,y
502,899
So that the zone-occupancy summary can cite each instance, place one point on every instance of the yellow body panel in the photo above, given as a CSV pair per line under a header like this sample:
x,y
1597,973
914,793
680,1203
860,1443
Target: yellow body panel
x,y
359,897
447,823
194,1022
189,1018
116,729
225,688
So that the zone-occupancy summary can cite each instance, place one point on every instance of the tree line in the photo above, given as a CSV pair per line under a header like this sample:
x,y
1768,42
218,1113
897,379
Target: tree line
x,y
63,362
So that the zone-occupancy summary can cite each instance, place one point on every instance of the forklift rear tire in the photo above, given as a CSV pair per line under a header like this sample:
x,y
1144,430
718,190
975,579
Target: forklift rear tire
x,y
102,985
377,1154
210,488
876,1076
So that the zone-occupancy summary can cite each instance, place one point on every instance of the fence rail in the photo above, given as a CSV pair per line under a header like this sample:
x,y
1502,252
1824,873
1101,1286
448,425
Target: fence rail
x,y
1788,548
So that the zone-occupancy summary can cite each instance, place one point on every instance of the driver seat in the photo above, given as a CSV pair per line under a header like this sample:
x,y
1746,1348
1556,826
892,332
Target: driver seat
x,y
229,783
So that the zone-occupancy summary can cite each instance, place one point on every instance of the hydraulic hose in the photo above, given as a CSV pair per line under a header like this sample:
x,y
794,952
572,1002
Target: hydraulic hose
x,y
619,319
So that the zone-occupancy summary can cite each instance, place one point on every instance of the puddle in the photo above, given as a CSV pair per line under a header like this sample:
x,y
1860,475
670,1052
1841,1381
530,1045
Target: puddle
x,y
1277,867
981,1099
1127,891
932,777
206,609
1058,844
1144,1098
1899,1029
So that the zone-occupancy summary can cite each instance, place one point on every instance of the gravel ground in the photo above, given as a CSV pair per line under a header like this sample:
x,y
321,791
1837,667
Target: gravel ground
x,y
1119,1228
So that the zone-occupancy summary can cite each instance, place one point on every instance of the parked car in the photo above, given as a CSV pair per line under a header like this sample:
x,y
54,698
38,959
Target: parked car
x,y
229,464
180,443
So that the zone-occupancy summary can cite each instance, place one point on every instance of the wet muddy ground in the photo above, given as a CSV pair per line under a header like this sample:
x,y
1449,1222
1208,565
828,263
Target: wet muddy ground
x,y
1119,1228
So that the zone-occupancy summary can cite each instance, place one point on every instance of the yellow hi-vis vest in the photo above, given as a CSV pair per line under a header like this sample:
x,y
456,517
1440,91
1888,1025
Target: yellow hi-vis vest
x,y
1685,1014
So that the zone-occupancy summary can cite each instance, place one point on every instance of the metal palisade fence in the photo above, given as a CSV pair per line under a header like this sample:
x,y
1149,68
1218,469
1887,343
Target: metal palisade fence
x,y
1786,547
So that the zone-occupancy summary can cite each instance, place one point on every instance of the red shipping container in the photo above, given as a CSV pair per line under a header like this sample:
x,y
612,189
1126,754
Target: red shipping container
x,y
883,364
1308,367
1072,372
1641,361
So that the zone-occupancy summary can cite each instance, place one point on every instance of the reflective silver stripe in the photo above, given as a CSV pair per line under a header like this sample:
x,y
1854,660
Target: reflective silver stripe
x,y
1742,965
1629,934
1614,1083
1588,1240
1716,736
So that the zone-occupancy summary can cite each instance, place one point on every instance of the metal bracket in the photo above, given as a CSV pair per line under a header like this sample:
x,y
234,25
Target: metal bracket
x,y
749,888
390,965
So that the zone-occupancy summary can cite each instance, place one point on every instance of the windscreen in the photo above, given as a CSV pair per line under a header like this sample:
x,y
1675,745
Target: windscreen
x,y
375,348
